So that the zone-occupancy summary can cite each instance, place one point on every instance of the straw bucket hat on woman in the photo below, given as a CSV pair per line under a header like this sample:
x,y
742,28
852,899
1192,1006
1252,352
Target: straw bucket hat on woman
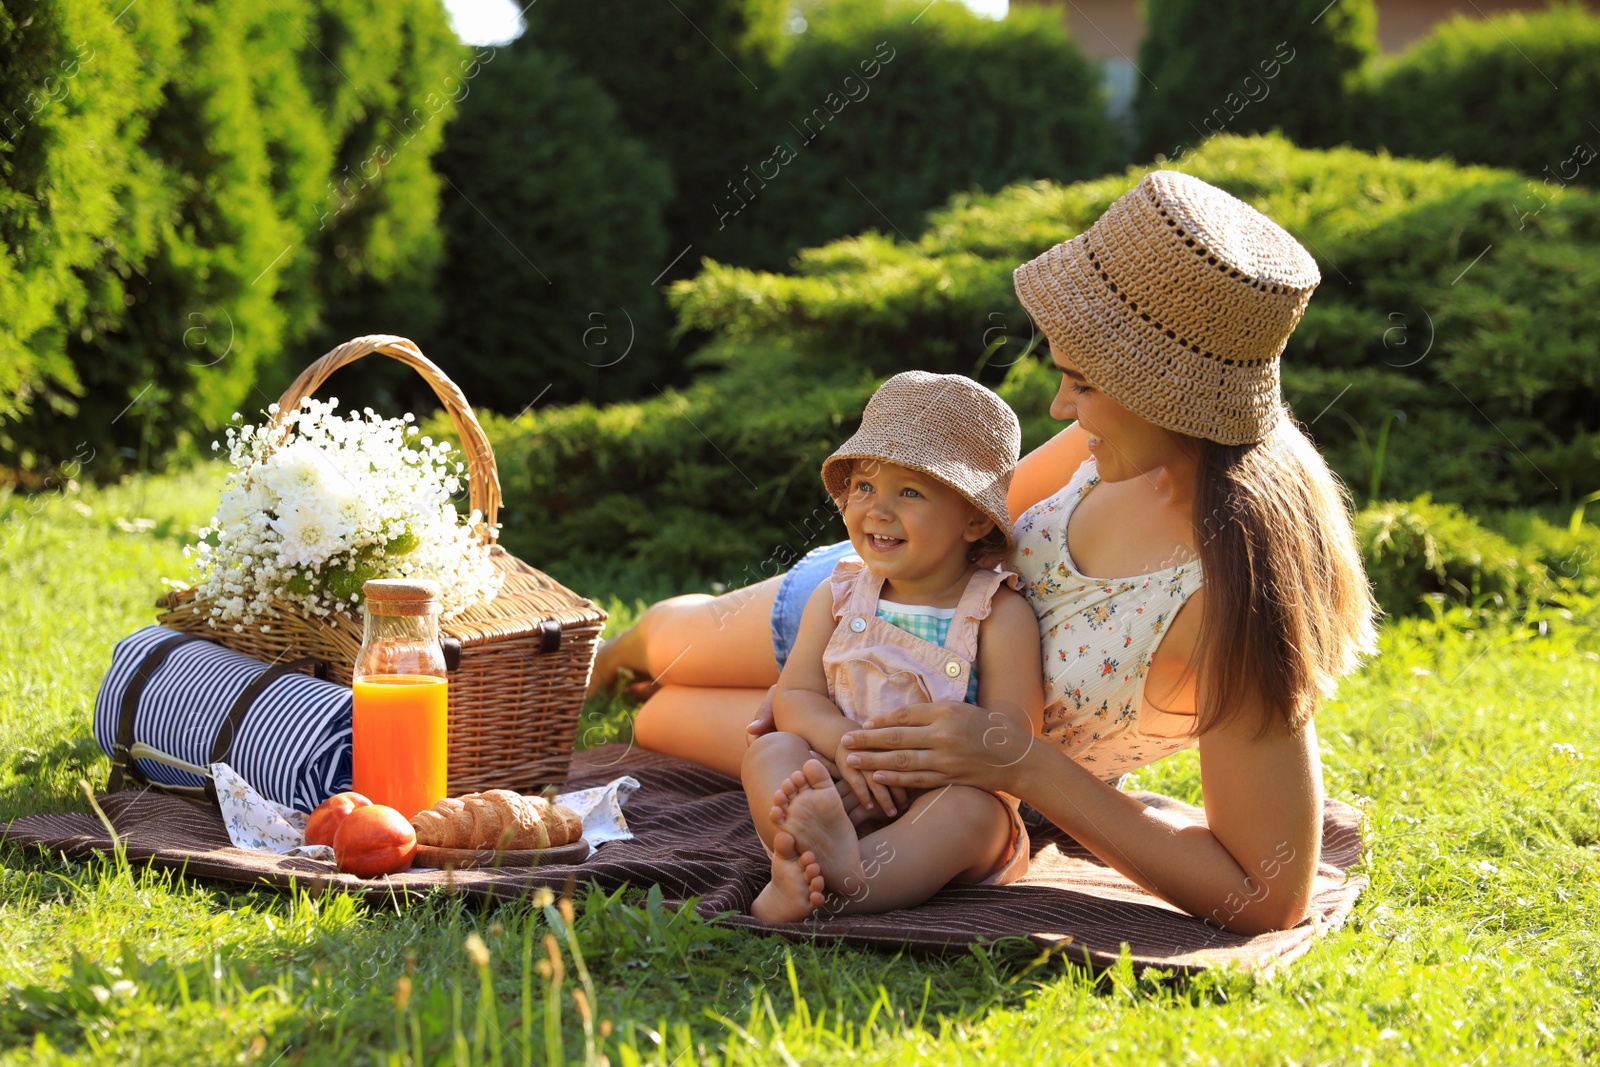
x,y
945,425
1176,304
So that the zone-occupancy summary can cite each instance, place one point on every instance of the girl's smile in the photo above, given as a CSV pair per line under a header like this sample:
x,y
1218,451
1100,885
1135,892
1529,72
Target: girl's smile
x,y
911,528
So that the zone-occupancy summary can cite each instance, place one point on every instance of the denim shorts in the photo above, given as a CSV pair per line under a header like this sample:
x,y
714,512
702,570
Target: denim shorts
x,y
799,582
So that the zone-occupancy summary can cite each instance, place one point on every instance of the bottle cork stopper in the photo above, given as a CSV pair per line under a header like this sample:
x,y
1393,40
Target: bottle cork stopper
x,y
401,596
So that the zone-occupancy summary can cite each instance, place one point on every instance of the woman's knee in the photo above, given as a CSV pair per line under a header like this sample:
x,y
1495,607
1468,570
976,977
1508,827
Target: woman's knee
x,y
650,724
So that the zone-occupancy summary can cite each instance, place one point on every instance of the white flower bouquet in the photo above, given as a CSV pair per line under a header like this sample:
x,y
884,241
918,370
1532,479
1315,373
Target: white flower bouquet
x,y
316,507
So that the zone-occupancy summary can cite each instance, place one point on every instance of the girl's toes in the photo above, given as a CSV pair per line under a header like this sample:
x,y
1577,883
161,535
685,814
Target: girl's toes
x,y
814,774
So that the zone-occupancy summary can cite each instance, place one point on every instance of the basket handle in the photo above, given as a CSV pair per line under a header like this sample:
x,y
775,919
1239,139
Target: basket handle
x,y
483,478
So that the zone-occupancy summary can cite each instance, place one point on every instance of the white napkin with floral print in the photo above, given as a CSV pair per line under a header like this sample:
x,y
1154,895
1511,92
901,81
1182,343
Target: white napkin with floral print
x,y
259,824
263,825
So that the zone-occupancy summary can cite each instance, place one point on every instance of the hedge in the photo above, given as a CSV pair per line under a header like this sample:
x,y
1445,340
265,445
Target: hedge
x,y
688,79
1518,90
1437,317
883,108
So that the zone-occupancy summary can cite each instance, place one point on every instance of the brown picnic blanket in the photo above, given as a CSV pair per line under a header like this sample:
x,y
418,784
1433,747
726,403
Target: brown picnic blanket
x,y
693,838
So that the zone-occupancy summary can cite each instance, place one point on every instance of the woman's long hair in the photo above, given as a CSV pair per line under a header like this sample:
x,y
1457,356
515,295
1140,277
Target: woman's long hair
x,y
1288,609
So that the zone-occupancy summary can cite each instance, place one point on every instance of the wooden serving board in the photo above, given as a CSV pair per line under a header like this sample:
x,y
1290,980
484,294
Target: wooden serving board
x,y
460,858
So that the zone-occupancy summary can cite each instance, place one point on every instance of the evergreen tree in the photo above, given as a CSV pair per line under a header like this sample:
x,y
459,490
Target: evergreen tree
x,y
689,79
1247,66
552,218
165,206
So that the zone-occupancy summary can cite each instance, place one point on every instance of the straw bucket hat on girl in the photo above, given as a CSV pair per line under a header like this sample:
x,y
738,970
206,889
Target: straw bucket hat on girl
x,y
1176,303
945,425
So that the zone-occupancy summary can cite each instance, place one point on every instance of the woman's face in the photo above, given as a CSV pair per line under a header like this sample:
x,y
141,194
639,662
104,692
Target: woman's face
x,y
1123,444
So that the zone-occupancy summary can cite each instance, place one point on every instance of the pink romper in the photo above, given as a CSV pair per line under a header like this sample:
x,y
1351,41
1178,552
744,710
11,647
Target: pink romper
x,y
872,664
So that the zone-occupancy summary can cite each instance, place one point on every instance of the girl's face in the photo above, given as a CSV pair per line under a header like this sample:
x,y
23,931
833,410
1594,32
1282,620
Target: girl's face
x,y
1123,444
908,526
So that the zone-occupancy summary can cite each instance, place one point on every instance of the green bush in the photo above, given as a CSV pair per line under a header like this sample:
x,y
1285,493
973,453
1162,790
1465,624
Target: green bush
x,y
717,482
1569,552
374,225
1248,66
1515,90
883,108
1417,548
1418,366
1414,369
553,231
171,214
767,130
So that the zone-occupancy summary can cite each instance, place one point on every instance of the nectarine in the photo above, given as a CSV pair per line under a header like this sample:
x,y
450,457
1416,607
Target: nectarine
x,y
324,822
374,840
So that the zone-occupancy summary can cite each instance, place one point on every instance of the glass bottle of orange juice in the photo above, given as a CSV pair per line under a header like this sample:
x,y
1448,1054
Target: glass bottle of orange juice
x,y
400,736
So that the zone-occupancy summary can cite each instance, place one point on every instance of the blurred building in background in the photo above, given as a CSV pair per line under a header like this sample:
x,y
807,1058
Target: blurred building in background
x,y
1111,30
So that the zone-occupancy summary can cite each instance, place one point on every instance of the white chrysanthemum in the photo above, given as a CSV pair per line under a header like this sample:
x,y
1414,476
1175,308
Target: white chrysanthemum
x,y
311,533
235,509
302,470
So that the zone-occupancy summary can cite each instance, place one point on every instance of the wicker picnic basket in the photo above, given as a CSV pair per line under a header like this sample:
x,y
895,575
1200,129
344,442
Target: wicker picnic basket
x,y
522,660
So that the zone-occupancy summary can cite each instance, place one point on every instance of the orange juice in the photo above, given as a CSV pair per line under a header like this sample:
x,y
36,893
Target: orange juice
x,y
399,740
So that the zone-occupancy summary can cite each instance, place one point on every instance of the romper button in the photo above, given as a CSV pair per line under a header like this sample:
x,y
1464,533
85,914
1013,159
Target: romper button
x,y
953,669
858,624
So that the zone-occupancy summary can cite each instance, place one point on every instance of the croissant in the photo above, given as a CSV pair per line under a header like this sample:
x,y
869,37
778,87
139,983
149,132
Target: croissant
x,y
497,818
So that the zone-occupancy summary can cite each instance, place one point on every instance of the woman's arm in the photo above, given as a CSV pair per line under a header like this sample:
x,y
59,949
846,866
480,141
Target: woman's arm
x,y
1046,469
1249,870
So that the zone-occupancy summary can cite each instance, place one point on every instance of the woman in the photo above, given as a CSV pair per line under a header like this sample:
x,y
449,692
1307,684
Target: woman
x,y
1167,318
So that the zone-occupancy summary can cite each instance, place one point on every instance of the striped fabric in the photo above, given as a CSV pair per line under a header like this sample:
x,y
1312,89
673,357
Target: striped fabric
x,y
693,838
293,745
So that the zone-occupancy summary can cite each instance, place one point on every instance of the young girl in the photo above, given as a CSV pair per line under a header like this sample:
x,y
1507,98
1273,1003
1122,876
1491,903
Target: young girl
x,y
922,615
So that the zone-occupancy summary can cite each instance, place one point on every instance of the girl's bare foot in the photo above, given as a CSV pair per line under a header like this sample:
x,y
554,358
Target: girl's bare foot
x,y
796,887
808,806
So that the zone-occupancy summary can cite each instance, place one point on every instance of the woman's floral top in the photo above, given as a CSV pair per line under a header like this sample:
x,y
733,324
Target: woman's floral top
x,y
1098,637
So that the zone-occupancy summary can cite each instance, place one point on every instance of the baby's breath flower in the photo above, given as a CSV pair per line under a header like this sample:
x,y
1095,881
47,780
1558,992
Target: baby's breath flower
x,y
328,498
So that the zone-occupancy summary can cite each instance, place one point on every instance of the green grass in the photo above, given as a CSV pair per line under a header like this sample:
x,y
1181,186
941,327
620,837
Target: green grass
x,y
1471,744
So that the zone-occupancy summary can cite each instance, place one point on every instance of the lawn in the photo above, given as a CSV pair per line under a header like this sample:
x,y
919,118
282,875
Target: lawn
x,y
1471,744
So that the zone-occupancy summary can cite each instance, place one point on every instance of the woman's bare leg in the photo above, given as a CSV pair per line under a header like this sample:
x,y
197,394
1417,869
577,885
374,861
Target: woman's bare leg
x,y
698,640
702,724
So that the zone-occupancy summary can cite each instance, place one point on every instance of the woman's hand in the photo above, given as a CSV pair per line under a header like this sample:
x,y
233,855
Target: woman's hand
x,y
942,743
762,724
